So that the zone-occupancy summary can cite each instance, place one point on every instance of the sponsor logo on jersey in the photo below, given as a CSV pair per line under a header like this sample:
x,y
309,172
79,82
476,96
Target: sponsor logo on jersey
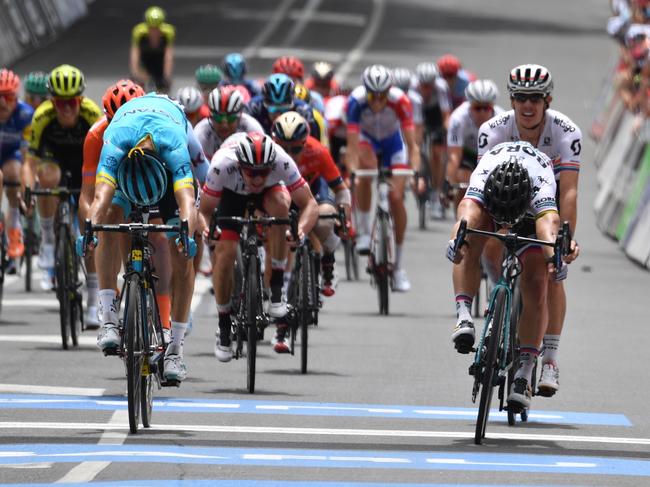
x,y
500,121
547,141
564,125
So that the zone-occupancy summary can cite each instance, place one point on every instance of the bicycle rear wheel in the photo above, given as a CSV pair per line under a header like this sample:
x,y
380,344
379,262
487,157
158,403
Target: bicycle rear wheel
x,y
30,245
73,292
381,266
134,323
62,286
490,365
153,344
306,268
513,351
347,252
3,262
252,304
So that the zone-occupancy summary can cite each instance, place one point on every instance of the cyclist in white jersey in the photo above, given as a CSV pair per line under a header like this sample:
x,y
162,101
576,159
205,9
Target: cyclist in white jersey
x,y
227,117
511,180
555,135
463,132
253,167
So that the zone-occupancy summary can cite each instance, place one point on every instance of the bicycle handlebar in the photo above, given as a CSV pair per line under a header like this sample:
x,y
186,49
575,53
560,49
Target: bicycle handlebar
x,y
384,171
255,220
340,217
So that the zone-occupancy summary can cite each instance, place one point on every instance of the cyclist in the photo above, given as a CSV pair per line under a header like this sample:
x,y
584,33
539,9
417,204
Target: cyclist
x,y
279,97
291,132
463,131
59,128
36,88
234,68
15,126
380,121
293,67
456,77
530,87
115,96
436,108
191,99
227,116
152,50
252,166
322,80
512,179
335,116
208,77
146,155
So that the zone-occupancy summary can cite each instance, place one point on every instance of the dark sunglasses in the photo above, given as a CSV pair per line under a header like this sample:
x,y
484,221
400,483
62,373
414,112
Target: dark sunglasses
x,y
372,96
256,173
482,108
8,97
63,103
227,117
279,108
523,97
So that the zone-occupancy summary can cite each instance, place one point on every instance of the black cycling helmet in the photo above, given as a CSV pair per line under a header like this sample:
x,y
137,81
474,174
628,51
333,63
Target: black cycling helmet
x,y
507,192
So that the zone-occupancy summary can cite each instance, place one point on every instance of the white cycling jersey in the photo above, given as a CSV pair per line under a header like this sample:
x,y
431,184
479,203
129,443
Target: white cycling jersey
x,y
335,116
463,132
441,96
540,170
561,139
209,139
224,172
416,104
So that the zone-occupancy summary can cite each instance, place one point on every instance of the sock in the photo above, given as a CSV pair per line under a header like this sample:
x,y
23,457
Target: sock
x,y
398,255
551,345
164,310
14,218
363,221
47,230
107,308
463,308
92,286
331,242
277,279
527,356
178,335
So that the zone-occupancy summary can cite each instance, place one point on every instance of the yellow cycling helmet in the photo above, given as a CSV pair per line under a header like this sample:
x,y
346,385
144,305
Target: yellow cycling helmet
x,y
66,81
154,16
302,93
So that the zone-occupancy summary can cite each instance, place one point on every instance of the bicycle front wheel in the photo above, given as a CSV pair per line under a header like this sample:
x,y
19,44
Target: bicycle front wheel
x,y
62,286
153,344
30,245
253,300
73,292
495,320
134,323
381,265
304,311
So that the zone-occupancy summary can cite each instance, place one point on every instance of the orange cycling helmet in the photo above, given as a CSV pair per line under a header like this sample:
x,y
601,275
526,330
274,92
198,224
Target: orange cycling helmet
x,y
289,65
118,94
9,81
449,65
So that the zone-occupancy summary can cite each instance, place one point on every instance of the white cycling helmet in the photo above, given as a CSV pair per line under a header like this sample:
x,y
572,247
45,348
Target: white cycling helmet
x,y
377,78
190,97
427,73
530,79
402,78
482,91
225,99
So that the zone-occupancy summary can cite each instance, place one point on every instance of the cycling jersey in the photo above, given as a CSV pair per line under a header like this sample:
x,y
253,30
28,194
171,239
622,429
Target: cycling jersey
x,y
457,91
225,174
15,132
335,116
315,161
396,115
540,170
463,132
152,57
561,139
161,119
247,87
316,101
334,88
210,140
50,141
92,150
416,103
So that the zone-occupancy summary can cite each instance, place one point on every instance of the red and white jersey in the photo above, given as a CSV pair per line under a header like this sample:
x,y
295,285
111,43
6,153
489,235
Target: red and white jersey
x,y
224,172
335,116
561,139
395,116
540,170
209,139
463,132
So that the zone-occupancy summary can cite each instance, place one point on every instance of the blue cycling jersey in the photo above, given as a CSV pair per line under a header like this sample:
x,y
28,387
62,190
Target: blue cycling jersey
x,y
458,90
258,110
14,133
154,116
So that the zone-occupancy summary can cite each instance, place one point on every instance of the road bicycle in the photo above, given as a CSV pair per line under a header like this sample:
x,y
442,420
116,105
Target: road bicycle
x,y
381,258
250,320
497,352
142,344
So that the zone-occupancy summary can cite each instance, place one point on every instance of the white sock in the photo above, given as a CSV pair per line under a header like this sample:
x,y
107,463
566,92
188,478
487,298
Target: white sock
x,y
463,308
14,218
527,356
47,230
551,345
178,335
363,218
107,307
92,286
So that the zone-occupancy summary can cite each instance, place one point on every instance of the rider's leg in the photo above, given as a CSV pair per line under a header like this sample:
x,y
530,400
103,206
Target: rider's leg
x,y
49,175
556,316
276,203
11,174
224,254
363,189
324,231
182,289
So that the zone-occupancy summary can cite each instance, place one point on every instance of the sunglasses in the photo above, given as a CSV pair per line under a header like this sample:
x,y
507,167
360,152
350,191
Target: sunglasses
x,y
293,149
523,97
372,96
225,117
482,108
279,108
63,103
8,97
256,173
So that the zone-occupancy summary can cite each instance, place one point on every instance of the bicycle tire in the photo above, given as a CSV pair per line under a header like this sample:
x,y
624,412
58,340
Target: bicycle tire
x,y
252,302
153,342
72,291
513,350
355,261
61,287
134,313
30,240
490,365
304,305
422,211
3,263
347,252
382,266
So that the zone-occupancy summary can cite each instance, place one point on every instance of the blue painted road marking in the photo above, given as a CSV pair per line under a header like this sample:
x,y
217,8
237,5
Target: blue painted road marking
x,y
107,403
466,461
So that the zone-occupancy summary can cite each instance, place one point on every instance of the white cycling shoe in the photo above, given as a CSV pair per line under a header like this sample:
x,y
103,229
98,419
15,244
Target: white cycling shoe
x,y
401,282
175,367
91,320
363,244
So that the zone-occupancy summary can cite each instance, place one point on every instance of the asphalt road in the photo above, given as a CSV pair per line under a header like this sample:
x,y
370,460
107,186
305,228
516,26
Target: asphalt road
x,y
387,399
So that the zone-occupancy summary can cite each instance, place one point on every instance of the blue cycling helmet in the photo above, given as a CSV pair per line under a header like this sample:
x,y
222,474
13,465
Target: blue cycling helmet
x,y
142,177
278,89
234,65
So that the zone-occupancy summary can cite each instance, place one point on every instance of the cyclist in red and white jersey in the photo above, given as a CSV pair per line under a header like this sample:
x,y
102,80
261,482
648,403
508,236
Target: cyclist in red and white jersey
x,y
322,80
380,122
191,98
252,166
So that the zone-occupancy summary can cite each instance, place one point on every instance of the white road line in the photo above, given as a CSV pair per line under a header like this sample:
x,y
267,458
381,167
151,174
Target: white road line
x,y
279,14
324,16
287,431
87,471
30,303
57,390
368,36
83,340
304,17
267,52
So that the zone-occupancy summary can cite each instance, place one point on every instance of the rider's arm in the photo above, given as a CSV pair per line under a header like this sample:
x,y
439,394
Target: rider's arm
x,y
304,200
101,202
546,227
168,64
454,156
568,202
352,150
187,208
413,147
134,54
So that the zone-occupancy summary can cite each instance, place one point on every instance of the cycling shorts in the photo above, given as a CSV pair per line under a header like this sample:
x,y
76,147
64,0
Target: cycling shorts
x,y
16,155
392,150
323,194
235,204
469,160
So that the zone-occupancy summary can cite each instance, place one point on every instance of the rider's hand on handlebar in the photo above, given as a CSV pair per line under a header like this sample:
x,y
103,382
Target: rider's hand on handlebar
x,y
190,252
456,257
295,242
574,252
81,246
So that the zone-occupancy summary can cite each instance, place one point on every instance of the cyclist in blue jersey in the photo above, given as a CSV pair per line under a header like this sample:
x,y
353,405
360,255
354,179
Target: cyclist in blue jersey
x,y
15,124
234,69
456,77
147,156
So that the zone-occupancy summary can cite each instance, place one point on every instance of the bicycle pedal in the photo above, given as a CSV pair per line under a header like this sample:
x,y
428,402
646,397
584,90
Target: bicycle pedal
x,y
170,383
545,392
111,351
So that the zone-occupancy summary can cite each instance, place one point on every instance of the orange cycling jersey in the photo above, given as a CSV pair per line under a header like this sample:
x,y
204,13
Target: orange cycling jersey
x,y
316,161
92,150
